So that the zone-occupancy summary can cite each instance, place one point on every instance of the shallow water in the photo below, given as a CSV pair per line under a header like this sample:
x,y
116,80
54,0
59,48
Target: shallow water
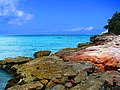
x,y
12,46
4,77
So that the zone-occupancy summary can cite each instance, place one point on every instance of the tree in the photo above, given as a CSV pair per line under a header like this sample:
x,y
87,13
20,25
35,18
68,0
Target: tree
x,y
114,24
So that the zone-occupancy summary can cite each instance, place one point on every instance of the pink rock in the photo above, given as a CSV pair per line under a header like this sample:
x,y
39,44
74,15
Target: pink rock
x,y
105,56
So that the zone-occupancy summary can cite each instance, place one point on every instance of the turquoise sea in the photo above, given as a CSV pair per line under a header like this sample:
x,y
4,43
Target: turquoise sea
x,y
26,45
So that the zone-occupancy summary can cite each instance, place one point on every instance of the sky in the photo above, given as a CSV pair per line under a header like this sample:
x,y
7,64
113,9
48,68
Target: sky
x,y
36,17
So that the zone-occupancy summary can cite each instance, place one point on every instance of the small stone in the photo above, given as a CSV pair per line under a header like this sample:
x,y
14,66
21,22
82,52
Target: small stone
x,y
41,53
4,66
50,84
68,84
44,82
58,87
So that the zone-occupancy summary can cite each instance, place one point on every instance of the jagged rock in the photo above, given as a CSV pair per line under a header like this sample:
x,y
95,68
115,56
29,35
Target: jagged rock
x,y
112,80
80,77
41,53
93,83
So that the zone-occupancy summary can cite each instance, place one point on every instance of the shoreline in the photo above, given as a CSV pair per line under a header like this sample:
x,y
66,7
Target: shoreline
x,y
70,68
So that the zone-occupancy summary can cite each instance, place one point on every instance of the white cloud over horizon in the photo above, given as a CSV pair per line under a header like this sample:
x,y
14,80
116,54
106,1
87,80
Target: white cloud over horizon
x,y
82,28
89,28
9,12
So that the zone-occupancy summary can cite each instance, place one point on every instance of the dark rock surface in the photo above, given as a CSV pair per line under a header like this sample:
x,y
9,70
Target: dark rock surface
x,y
112,80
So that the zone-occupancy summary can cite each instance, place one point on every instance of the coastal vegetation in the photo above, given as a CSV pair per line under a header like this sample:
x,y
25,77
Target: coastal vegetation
x,y
113,25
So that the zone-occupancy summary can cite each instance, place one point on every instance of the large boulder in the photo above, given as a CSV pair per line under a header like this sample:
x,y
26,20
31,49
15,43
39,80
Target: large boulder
x,y
42,53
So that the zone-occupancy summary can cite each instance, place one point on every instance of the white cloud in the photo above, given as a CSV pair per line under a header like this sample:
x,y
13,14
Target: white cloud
x,y
82,28
89,28
77,29
9,12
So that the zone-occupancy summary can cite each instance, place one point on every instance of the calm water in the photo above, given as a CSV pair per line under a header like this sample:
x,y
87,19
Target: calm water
x,y
12,46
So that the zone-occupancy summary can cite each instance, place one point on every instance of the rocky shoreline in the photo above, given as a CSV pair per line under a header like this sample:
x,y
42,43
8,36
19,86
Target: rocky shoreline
x,y
91,66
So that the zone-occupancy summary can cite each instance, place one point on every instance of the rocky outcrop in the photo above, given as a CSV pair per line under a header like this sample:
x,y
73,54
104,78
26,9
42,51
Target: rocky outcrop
x,y
50,73
7,63
91,66
41,53
104,56
101,39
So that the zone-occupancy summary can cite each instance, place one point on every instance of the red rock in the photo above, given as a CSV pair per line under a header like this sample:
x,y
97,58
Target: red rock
x,y
105,56
102,68
111,65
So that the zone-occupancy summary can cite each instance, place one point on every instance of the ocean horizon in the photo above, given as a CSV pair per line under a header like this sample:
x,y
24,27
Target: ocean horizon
x,y
26,45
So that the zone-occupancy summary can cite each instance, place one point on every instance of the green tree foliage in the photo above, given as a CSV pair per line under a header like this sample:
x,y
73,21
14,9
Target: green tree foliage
x,y
114,24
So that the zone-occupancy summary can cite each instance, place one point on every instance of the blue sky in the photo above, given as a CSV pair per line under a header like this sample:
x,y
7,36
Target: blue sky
x,y
55,16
